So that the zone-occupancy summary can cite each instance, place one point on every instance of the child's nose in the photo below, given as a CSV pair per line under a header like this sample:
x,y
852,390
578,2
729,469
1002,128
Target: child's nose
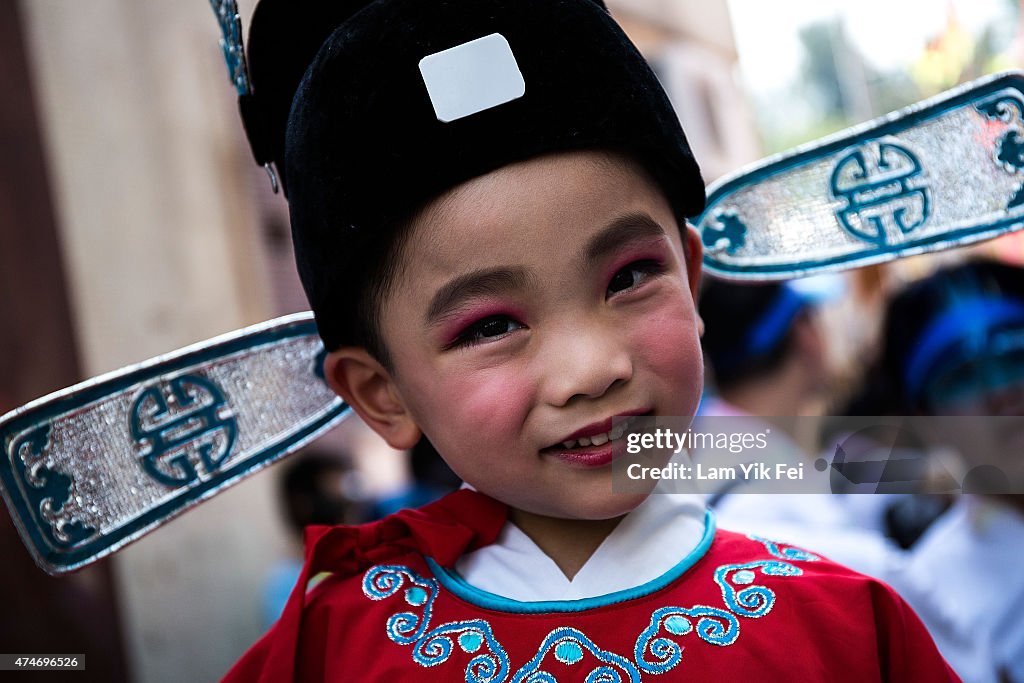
x,y
587,363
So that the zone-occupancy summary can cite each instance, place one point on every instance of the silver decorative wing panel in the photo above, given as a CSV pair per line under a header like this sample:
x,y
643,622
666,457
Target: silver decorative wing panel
x,y
942,173
91,468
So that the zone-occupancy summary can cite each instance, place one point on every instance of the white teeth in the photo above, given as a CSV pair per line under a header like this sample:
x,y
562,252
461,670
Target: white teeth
x,y
601,439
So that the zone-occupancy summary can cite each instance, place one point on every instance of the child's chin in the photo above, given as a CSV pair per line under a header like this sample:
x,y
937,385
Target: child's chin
x,y
605,506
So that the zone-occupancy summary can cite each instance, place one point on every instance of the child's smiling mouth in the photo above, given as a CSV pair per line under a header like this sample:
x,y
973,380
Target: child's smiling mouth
x,y
591,446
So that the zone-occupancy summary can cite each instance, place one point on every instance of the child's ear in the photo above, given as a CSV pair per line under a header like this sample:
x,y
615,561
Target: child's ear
x,y
694,250
367,386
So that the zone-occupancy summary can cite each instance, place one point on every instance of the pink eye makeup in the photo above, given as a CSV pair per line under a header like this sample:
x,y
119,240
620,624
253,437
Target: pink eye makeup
x,y
479,325
634,264
487,306
633,275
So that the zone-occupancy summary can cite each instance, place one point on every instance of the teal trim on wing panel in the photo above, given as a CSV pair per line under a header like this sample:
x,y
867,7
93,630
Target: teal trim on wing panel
x,y
458,585
868,255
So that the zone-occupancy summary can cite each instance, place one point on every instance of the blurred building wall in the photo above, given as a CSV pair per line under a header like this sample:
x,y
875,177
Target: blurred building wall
x,y
75,614
691,46
160,250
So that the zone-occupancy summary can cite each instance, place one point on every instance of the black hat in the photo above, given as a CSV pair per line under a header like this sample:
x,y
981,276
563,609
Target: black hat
x,y
397,101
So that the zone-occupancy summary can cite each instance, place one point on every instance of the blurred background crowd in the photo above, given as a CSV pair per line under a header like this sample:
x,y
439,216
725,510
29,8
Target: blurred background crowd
x,y
133,222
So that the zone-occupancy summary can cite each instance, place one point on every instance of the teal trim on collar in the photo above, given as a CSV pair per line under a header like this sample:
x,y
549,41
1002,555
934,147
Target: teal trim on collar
x,y
458,585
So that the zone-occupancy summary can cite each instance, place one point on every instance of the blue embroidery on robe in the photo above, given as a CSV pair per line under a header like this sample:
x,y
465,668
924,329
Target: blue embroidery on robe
x,y
384,581
715,626
787,553
656,650
752,601
569,646
436,646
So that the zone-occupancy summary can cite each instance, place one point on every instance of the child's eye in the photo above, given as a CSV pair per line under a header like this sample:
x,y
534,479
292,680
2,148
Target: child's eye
x,y
632,275
487,329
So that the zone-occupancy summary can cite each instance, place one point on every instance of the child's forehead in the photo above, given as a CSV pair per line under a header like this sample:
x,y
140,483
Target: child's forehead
x,y
522,203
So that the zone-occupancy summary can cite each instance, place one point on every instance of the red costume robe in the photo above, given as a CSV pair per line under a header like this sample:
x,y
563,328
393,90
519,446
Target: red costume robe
x,y
737,608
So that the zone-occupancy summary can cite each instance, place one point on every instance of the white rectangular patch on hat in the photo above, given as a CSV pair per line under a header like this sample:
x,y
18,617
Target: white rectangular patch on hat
x,y
472,77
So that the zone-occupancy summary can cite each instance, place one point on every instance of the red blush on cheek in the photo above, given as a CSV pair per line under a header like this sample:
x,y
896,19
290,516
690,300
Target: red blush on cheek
x,y
669,344
488,405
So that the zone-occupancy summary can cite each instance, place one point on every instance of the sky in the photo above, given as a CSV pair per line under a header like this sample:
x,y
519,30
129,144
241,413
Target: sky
x,y
889,33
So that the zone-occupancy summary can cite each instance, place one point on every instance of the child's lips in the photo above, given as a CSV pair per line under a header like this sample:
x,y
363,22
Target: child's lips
x,y
585,456
598,433
593,446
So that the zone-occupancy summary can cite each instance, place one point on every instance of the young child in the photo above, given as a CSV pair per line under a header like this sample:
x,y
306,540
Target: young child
x,y
488,201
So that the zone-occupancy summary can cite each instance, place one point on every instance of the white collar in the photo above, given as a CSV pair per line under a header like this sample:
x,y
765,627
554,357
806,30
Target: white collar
x,y
646,544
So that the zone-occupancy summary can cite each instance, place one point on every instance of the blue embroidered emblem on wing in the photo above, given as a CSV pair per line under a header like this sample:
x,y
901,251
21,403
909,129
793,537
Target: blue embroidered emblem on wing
x,y
934,176
184,429
884,190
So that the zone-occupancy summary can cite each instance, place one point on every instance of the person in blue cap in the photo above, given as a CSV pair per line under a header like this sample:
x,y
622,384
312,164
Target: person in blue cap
x,y
767,359
764,348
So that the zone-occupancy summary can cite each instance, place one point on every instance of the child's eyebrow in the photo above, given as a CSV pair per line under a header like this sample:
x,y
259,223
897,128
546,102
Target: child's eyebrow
x,y
625,228
487,281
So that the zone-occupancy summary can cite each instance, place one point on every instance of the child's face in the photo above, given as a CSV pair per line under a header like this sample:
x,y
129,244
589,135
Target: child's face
x,y
535,302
